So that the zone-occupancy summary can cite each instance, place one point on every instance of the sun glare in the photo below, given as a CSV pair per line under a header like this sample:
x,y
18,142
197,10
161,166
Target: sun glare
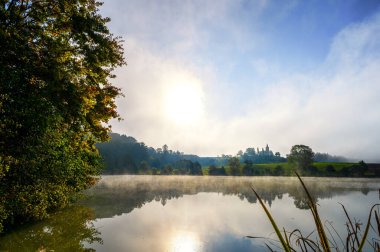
x,y
184,103
185,242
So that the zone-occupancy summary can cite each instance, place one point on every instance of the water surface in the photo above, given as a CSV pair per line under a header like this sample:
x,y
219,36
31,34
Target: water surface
x,y
185,213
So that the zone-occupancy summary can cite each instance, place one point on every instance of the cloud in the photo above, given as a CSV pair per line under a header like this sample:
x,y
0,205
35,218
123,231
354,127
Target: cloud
x,y
347,102
145,82
173,27
333,108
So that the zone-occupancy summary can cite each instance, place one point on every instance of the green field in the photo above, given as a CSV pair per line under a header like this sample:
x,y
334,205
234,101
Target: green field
x,y
316,169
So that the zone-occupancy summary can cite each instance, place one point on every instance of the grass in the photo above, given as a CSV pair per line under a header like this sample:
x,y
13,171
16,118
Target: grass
x,y
336,165
319,165
324,169
354,242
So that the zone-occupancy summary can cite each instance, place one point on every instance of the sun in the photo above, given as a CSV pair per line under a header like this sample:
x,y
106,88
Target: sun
x,y
185,242
183,103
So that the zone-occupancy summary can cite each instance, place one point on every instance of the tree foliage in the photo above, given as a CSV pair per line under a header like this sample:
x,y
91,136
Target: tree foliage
x,y
215,171
125,155
301,155
260,157
234,165
56,58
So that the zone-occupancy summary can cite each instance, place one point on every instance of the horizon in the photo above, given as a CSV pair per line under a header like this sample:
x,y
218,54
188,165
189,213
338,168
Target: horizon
x,y
260,148
212,79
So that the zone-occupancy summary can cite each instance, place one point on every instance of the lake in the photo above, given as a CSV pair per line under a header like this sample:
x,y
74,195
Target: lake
x,y
189,213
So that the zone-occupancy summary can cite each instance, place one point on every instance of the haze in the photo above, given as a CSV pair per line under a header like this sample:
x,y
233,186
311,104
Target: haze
x,y
213,77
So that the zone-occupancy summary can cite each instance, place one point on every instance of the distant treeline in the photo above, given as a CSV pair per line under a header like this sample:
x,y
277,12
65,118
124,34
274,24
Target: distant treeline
x,y
316,169
325,157
125,155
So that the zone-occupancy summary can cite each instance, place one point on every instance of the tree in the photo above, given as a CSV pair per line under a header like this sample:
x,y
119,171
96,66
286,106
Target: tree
x,y
249,155
196,169
279,170
301,155
56,58
247,168
123,154
165,149
330,169
214,171
234,165
168,170
144,167
222,171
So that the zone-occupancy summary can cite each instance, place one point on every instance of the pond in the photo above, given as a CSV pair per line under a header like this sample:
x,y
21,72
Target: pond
x,y
189,213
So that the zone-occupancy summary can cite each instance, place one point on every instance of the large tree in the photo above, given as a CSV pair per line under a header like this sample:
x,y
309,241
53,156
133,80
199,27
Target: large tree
x,y
56,59
234,165
301,155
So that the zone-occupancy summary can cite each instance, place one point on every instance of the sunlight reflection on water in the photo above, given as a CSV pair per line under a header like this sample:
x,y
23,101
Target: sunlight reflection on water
x,y
185,242
147,213
216,214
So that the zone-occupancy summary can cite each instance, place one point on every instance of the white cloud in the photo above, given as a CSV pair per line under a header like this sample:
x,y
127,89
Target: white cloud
x,y
334,109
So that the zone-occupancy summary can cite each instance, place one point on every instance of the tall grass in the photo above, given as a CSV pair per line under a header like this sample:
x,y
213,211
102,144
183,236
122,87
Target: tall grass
x,y
353,242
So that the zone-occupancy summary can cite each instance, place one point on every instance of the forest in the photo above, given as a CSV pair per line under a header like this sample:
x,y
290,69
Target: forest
x,y
125,155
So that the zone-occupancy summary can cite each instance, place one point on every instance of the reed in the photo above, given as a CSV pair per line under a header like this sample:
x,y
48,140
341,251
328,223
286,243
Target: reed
x,y
353,242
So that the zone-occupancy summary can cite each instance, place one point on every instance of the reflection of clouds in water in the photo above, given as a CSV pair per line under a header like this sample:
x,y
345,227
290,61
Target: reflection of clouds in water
x,y
213,221
357,206
210,217
228,242
185,242
213,214
145,213
115,195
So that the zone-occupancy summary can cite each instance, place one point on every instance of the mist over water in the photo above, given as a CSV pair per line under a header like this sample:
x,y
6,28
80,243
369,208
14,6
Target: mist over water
x,y
190,213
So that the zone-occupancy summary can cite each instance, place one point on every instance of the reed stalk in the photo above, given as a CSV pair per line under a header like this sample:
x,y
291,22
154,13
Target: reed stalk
x,y
353,242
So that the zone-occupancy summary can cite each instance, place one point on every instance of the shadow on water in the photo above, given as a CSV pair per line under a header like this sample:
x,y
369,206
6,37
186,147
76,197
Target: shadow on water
x,y
66,230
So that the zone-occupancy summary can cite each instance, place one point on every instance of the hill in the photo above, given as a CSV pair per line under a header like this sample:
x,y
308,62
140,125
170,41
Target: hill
x,y
125,155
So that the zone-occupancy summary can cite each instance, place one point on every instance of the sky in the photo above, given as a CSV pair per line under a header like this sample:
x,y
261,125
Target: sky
x,y
212,77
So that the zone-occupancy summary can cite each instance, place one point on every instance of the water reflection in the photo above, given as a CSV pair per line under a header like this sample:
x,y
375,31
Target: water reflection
x,y
185,242
145,213
209,222
142,213
66,230
115,195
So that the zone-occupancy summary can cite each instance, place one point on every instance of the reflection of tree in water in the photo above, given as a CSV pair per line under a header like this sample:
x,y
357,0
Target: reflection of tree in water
x,y
115,195
302,203
67,230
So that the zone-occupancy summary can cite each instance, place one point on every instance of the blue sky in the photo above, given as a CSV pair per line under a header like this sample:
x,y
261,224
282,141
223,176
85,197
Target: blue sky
x,y
215,77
